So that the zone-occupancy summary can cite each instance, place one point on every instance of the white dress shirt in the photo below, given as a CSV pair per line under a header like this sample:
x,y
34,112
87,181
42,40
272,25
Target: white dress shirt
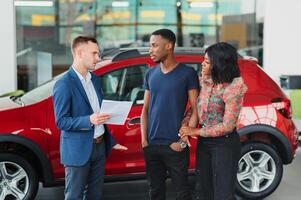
x,y
93,99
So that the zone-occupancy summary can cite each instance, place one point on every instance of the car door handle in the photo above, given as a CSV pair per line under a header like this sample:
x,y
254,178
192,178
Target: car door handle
x,y
134,121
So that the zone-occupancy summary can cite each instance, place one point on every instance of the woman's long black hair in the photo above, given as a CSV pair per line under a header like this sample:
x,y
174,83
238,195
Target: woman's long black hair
x,y
223,58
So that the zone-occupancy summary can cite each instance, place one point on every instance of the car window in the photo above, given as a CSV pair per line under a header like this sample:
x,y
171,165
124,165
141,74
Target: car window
x,y
125,84
41,92
195,66
111,83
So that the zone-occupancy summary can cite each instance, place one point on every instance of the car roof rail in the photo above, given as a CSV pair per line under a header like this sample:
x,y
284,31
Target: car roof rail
x,y
126,53
109,52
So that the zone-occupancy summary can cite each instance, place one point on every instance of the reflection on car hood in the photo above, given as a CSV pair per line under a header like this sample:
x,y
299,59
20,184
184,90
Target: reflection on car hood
x,y
6,103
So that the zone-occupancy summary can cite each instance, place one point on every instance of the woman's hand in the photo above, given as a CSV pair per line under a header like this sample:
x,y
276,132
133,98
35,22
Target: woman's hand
x,y
189,131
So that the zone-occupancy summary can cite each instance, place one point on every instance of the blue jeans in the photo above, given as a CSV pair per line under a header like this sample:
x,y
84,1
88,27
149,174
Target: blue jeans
x,y
159,160
86,182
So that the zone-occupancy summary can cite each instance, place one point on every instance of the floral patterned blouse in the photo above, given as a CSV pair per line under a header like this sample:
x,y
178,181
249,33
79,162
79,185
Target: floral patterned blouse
x,y
219,106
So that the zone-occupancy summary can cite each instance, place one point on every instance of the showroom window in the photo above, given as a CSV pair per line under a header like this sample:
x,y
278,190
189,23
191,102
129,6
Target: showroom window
x,y
46,28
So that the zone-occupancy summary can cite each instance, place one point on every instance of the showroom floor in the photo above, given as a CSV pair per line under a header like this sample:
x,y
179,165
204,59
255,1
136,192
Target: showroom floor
x,y
289,189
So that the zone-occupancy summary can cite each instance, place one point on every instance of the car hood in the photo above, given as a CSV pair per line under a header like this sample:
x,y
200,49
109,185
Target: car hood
x,y
6,103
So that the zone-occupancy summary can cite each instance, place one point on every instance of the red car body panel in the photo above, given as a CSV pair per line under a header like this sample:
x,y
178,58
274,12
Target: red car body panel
x,y
36,121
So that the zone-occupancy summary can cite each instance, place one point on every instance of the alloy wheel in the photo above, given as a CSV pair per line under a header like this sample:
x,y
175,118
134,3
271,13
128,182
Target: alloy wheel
x,y
14,181
256,171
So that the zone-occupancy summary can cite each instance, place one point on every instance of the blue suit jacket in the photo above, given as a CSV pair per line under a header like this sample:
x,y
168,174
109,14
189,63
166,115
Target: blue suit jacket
x,y
72,115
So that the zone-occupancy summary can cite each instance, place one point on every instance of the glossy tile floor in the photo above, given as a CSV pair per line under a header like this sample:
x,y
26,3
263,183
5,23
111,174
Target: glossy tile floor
x,y
289,189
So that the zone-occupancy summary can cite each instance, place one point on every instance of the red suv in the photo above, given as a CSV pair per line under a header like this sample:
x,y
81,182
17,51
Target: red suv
x,y
29,139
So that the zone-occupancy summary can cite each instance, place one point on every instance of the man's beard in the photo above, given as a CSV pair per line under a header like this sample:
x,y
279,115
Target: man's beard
x,y
161,59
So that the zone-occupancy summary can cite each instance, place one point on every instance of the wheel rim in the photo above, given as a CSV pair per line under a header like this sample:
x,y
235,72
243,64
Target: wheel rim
x,y
14,181
256,171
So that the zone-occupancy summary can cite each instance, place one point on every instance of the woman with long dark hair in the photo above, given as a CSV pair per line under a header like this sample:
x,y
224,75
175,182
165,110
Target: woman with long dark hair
x,y
219,105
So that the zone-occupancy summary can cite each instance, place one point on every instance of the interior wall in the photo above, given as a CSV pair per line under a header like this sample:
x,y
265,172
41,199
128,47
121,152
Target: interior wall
x,y
8,75
282,38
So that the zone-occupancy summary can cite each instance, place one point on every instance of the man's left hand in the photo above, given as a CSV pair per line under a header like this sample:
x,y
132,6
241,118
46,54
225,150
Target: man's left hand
x,y
186,140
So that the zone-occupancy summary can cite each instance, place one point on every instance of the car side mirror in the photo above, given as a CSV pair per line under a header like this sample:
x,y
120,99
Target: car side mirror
x,y
140,97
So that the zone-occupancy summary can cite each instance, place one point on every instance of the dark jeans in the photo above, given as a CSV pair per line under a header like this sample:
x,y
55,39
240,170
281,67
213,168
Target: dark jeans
x,y
216,167
159,160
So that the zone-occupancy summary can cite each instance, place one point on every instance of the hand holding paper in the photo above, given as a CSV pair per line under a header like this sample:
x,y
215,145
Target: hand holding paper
x,y
99,118
118,110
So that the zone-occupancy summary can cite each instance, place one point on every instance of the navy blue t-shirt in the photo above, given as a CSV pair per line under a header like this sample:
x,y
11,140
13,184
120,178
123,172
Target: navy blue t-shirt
x,y
168,100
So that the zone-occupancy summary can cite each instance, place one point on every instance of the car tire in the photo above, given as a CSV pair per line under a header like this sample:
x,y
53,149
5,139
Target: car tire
x,y
259,171
17,178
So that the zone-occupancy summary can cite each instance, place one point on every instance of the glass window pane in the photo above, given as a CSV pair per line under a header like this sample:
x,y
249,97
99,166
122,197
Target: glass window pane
x,y
111,84
133,88
128,23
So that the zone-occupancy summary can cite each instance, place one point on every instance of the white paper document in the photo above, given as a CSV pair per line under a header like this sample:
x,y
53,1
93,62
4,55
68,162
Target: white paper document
x,y
118,109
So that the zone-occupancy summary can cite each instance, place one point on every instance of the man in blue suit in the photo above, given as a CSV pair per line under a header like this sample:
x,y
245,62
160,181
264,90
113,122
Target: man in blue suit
x,y
85,141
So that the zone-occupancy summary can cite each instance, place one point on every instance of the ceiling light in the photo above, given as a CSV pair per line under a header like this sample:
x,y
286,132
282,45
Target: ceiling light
x,y
120,4
201,4
34,3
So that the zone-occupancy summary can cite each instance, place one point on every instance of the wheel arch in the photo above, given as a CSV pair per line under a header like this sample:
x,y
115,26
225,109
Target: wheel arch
x,y
281,142
31,151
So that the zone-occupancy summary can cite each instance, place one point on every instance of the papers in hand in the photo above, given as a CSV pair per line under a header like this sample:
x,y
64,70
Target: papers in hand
x,y
118,110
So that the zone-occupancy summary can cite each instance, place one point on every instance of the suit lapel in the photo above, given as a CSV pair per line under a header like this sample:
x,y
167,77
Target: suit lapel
x,y
79,85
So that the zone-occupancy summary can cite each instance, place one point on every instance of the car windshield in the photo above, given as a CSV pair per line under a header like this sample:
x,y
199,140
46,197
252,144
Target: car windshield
x,y
41,92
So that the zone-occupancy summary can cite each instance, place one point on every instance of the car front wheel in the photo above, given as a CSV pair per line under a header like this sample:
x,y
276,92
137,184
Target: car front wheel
x,y
259,171
18,179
